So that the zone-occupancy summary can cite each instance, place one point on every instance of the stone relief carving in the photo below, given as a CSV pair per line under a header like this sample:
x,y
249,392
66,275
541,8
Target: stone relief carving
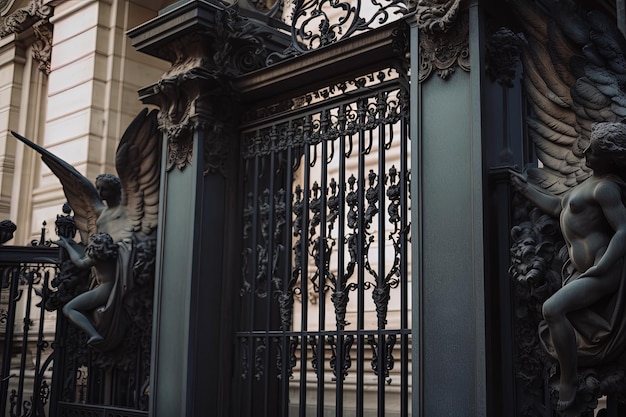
x,y
42,47
5,5
573,77
443,38
195,92
504,50
117,219
35,15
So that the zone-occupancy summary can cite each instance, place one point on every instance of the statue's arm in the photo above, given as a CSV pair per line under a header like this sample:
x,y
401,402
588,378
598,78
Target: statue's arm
x,y
79,259
548,203
609,197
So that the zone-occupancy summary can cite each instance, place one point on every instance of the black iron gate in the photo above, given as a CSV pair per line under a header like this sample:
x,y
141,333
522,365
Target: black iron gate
x,y
26,329
325,287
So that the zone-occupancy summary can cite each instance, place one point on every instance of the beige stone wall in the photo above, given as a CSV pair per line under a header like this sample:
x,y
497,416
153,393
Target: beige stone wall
x,y
78,112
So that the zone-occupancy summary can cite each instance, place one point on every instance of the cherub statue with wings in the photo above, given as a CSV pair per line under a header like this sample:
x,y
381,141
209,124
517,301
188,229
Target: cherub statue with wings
x,y
117,219
575,80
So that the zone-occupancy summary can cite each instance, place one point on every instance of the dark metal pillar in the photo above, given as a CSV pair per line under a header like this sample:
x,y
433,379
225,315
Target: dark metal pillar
x,y
207,44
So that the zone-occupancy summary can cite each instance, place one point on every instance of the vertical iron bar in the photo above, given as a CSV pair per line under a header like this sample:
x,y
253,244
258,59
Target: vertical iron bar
x,y
417,363
304,276
253,256
339,363
39,372
404,265
360,354
8,337
382,345
321,341
138,377
284,409
268,386
25,330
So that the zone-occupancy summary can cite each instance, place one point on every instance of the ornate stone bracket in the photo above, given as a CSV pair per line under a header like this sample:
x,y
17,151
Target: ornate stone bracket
x,y
35,15
195,93
443,38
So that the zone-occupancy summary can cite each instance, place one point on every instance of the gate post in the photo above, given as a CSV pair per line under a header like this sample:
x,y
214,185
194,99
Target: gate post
x,y
207,44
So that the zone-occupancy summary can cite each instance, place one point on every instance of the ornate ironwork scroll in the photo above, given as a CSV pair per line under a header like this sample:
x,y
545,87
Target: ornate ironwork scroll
x,y
325,244
317,23
27,356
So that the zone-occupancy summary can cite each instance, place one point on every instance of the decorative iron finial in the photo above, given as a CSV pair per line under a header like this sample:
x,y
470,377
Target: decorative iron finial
x,y
65,226
42,237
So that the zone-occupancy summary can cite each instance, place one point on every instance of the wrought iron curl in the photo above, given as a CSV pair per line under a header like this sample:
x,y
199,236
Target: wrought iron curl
x,y
292,359
258,358
312,340
389,361
318,23
244,357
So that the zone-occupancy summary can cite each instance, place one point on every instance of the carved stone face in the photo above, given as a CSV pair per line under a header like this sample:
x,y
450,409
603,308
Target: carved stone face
x,y
105,190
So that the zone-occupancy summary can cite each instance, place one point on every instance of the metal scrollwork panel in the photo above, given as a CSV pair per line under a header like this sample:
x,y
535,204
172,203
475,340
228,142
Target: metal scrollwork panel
x,y
325,265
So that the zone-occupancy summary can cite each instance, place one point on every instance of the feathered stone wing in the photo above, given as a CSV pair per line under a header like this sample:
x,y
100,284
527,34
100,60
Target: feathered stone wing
x,y
81,194
574,75
138,165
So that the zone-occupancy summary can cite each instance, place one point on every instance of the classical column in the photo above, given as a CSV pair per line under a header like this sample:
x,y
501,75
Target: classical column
x,y
207,45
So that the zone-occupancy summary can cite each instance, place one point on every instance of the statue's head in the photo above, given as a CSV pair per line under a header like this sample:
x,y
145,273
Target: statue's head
x,y
7,228
609,138
109,187
101,247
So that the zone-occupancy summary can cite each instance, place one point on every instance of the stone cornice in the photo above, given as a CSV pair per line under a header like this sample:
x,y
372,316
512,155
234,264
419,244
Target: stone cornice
x,y
23,18
35,15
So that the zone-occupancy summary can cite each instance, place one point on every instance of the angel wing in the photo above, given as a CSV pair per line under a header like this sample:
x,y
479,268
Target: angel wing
x,y
138,165
81,194
574,74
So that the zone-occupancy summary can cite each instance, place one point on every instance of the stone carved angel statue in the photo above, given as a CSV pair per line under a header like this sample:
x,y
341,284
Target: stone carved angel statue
x,y
116,218
575,79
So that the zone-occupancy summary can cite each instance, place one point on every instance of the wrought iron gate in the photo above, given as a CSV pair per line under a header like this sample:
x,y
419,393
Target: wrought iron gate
x,y
325,277
26,329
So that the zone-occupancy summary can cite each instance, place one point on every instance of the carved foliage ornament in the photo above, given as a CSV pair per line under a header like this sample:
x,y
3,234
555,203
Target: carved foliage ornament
x,y
188,103
23,18
42,47
443,38
189,91
34,15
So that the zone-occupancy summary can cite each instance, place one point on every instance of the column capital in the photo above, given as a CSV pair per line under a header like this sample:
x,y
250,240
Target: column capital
x,y
208,44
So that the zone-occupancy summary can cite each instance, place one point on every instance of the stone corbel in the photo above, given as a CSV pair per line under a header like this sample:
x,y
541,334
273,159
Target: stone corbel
x,y
189,101
443,38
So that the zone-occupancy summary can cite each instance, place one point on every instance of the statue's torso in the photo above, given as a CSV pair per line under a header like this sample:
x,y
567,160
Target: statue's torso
x,y
584,225
113,220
